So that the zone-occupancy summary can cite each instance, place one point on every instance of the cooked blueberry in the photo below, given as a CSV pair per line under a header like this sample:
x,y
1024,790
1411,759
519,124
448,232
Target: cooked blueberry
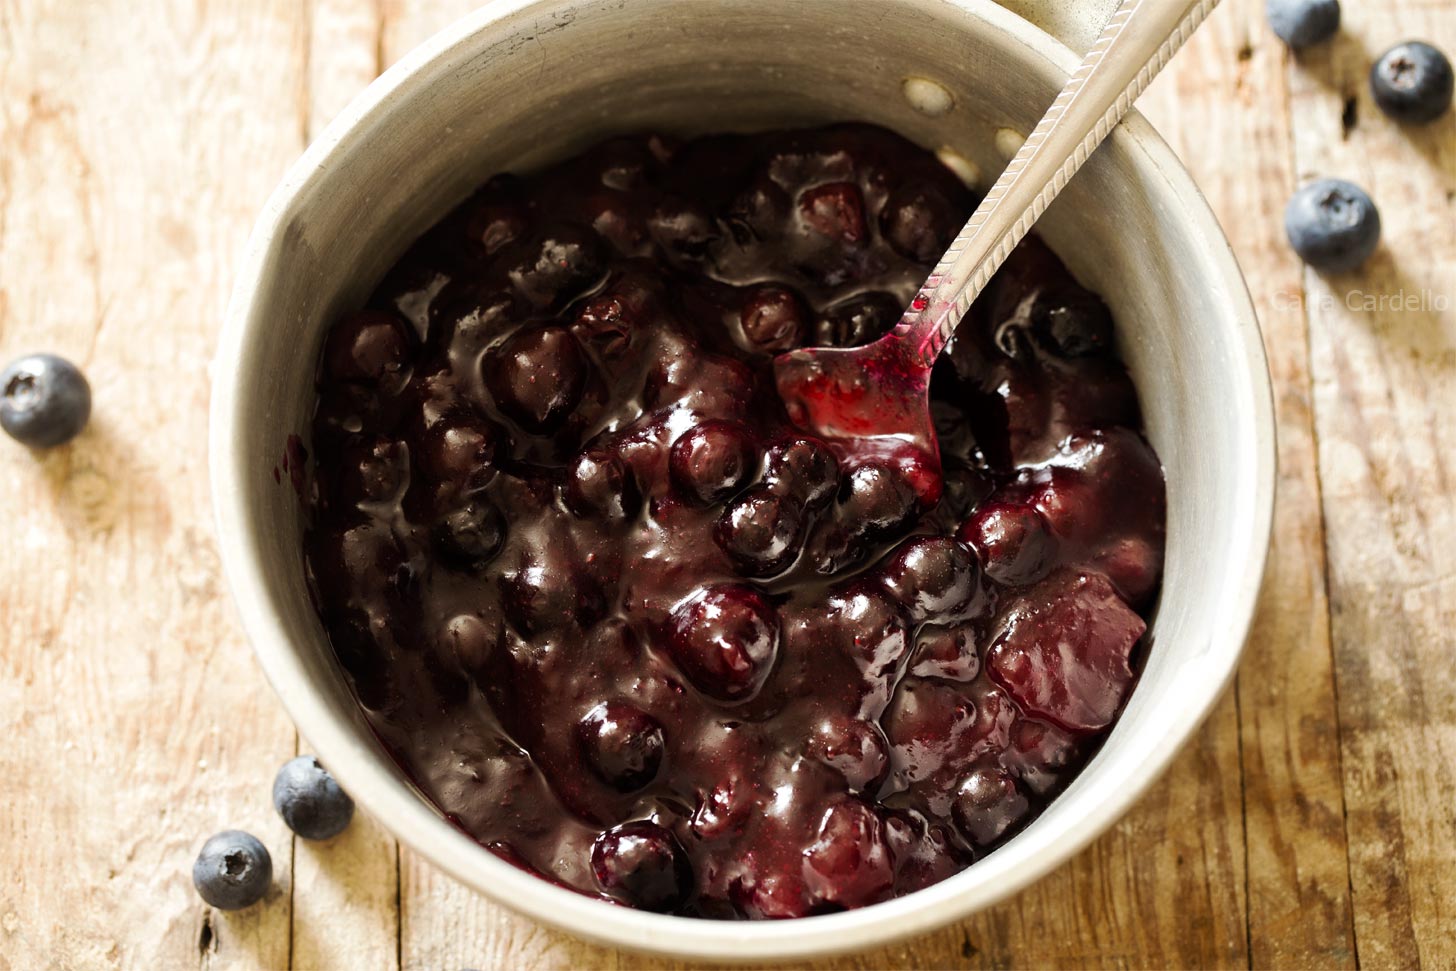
x,y
1012,540
684,229
876,499
987,804
233,870
494,223
374,470
725,639
712,460
472,640
858,320
850,863
642,864
1073,324
466,317
560,265
1333,225
919,222
946,652
804,468
1304,23
371,346
44,400
854,748
599,485
834,209
761,532
471,534
759,211
608,322
622,744
723,809
616,220
772,318
459,450
1412,82
544,590
1064,651
624,163
536,376
358,556
310,800
933,577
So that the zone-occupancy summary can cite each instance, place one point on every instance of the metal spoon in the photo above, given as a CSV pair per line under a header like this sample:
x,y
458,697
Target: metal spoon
x,y
878,394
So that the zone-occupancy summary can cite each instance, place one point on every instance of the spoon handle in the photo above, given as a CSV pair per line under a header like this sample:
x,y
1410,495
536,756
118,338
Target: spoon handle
x,y
1137,42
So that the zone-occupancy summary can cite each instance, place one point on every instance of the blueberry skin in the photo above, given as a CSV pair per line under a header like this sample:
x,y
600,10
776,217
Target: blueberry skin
x,y
44,400
1303,23
1333,225
1412,82
233,870
310,801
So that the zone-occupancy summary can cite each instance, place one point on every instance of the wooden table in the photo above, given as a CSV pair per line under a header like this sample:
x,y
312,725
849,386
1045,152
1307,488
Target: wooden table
x,y
1311,822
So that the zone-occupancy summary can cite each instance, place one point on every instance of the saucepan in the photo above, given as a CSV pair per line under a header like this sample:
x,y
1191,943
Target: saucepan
x,y
523,82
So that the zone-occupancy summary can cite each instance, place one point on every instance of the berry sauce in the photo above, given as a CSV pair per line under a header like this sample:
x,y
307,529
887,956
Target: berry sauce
x,y
629,628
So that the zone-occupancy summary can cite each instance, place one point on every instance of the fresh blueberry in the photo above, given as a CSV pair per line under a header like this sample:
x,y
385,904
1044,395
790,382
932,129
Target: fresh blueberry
x,y
44,400
233,870
1333,225
1304,23
310,801
1412,82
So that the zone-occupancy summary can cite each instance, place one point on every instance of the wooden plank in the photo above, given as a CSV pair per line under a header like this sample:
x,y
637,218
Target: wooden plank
x,y
346,900
1384,364
345,890
1225,107
135,149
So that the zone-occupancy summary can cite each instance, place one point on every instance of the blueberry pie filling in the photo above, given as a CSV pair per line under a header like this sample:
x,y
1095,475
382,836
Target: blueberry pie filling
x,y
633,631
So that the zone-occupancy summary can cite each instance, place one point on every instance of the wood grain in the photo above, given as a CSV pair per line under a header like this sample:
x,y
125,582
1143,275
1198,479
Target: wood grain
x,y
137,723
1228,90
1384,365
1312,822
345,890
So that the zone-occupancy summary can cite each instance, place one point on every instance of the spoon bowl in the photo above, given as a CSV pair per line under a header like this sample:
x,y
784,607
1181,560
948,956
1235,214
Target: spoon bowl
x,y
876,396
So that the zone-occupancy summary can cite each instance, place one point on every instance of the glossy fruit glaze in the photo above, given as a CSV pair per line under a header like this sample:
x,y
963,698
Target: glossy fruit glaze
x,y
630,630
